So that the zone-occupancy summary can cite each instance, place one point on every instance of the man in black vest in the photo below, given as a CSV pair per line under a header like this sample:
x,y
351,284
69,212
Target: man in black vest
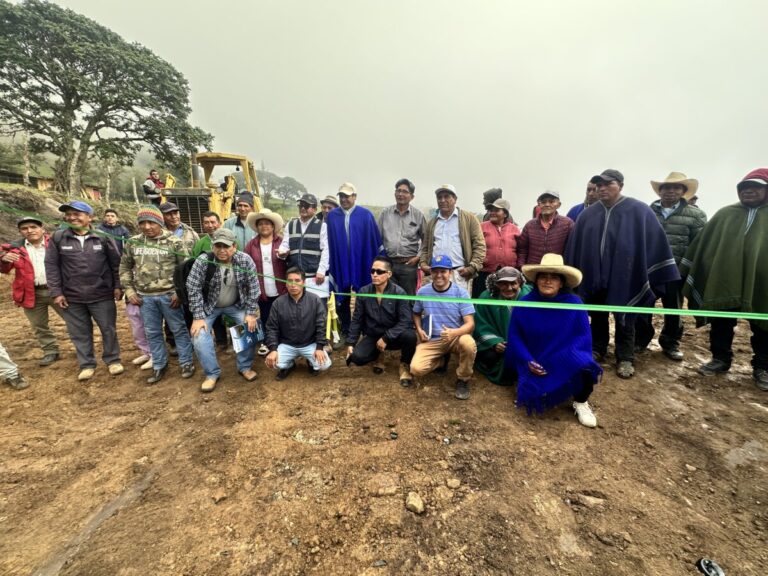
x,y
305,246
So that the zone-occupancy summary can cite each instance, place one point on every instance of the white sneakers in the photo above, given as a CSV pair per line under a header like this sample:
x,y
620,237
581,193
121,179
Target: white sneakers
x,y
140,359
584,414
115,369
147,365
85,374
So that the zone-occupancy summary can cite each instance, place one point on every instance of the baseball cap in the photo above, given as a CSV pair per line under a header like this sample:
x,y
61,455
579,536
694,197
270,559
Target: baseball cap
x,y
441,262
223,236
76,205
546,193
500,203
310,199
347,189
508,274
446,188
607,176
26,219
166,207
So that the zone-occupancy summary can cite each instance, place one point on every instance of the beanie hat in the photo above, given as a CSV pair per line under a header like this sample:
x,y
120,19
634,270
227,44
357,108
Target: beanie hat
x,y
246,197
150,214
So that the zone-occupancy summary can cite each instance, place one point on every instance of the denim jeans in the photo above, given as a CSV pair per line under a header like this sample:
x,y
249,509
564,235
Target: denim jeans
x,y
153,310
286,354
205,350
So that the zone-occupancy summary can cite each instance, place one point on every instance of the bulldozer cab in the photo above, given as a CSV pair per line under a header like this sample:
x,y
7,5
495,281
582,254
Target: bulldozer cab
x,y
205,194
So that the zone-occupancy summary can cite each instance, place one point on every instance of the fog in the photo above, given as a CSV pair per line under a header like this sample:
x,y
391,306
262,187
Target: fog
x,y
519,95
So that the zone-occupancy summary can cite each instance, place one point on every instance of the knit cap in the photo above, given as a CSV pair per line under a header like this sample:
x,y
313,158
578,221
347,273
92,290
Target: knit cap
x,y
150,214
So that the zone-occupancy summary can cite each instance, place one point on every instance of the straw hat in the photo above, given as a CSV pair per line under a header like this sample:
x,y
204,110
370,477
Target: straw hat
x,y
691,184
553,263
265,214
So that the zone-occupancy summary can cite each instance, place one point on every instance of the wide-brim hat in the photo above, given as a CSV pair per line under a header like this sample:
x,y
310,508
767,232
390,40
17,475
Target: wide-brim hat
x,y
265,214
553,264
691,184
330,200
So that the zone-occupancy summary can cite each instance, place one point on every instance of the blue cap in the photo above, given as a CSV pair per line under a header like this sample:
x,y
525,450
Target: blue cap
x,y
76,205
441,262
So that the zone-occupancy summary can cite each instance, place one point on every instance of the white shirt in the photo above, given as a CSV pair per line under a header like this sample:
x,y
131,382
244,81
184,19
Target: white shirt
x,y
448,239
37,257
270,287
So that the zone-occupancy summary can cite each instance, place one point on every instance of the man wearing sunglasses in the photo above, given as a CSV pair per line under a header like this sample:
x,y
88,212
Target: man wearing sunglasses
x,y
380,323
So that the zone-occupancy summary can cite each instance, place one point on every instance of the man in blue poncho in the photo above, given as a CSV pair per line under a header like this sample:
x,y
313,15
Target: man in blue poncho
x,y
353,241
625,257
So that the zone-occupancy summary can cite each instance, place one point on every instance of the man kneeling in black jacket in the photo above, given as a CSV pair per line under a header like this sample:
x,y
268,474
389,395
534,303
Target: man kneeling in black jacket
x,y
296,327
385,323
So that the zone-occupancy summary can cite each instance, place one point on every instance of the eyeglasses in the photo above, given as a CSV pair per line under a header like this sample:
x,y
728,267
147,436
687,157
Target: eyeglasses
x,y
378,271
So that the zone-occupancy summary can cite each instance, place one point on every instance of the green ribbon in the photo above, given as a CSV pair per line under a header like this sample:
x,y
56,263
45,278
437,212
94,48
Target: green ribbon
x,y
475,301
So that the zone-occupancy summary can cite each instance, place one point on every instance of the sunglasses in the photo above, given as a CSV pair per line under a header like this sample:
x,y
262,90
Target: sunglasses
x,y
378,271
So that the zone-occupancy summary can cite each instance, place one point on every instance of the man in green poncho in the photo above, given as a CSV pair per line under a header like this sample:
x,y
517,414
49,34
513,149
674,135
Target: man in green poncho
x,y
727,269
492,324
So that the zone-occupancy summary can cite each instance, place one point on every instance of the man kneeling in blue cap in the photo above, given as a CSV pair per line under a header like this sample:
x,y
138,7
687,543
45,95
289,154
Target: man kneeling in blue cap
x,y
444,327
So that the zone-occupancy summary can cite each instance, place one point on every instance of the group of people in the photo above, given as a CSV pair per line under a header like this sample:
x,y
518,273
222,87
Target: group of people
x,y
272,281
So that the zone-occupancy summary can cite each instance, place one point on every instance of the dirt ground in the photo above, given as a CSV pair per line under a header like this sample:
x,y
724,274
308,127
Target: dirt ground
x,y
311,475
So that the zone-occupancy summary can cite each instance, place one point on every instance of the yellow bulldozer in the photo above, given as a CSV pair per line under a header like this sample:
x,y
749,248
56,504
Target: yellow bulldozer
x,y
207,195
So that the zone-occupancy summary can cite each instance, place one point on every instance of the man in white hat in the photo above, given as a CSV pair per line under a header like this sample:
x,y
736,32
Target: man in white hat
x,y
547,233
455,233
682,223
354,241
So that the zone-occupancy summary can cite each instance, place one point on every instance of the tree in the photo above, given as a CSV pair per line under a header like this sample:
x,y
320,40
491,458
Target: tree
x,y
80,90
286,188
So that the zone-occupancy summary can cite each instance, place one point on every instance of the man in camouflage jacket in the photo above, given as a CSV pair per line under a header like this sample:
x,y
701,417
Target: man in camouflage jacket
x,y
146,269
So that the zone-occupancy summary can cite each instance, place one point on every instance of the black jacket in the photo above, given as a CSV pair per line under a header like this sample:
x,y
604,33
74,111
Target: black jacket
x,y
84,273
297,324
388,319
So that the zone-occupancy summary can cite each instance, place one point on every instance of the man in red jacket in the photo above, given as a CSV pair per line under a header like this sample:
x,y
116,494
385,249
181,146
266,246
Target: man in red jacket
x,y
26,257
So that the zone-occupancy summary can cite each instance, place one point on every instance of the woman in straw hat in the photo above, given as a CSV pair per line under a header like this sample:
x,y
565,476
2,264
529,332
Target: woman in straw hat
x,y
263,249
551,349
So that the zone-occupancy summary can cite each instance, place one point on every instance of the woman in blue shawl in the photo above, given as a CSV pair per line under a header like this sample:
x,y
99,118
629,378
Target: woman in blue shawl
x,y
551,349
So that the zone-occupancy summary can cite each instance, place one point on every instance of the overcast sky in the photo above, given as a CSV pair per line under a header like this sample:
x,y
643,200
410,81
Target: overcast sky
x,y
524,96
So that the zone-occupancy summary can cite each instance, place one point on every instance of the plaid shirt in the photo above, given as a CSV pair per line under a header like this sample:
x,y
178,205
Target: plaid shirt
x,y
245,277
